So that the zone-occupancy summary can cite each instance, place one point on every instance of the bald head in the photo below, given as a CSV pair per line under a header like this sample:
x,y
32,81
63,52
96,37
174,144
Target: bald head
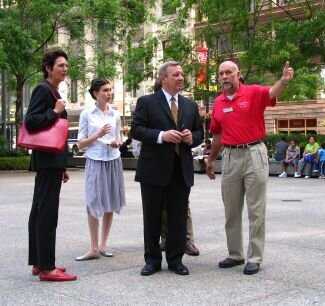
x,y
229,64
228,77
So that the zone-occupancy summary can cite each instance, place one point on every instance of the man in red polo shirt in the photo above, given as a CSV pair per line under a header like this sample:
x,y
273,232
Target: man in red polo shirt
x,y
237,125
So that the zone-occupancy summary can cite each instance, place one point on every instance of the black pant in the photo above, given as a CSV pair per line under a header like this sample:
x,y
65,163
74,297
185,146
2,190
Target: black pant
x,y
43,218
175,198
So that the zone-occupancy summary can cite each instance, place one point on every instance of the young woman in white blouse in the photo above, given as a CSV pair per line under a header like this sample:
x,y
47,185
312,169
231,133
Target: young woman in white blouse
x,y
100,134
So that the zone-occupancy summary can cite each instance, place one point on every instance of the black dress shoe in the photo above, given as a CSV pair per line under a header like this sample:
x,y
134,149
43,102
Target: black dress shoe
x,y
150,269
230,262
179,269
191,249
251,268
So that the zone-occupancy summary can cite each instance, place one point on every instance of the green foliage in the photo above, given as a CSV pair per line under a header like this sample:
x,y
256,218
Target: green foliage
x,y
77,65
138,63
4,149
305,86
169,7
15,163
28,27
106,64
178,46
3,146
232,30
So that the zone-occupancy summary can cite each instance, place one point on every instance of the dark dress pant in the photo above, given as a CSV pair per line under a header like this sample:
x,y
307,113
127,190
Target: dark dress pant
x,y
43,218
173,198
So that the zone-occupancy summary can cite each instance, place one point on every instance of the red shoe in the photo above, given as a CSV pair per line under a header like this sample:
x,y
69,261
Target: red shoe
x,y
36,270
56,276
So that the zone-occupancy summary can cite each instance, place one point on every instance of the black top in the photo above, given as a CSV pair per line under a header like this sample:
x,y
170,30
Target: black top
x,y
156,161
40,115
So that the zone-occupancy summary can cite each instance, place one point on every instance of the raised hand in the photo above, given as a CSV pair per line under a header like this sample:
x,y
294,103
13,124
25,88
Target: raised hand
x,y
287,72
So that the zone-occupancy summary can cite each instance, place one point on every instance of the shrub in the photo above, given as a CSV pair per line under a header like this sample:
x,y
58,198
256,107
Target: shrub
x,y
14,162
3,146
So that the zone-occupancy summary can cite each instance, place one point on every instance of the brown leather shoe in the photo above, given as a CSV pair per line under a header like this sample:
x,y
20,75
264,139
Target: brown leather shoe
x,y
191,249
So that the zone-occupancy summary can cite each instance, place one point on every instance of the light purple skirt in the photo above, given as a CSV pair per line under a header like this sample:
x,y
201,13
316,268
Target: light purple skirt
x,y
104,186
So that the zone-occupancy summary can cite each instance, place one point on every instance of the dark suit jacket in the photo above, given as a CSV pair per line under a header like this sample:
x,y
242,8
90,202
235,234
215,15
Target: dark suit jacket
x,y
40,115
156,161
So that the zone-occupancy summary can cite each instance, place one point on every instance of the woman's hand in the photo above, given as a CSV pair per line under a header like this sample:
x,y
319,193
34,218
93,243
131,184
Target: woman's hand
x,y
104,130
65,177
59,106
115,144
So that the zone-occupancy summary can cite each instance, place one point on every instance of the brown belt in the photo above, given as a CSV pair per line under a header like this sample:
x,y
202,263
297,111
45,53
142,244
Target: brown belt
x,y
243,146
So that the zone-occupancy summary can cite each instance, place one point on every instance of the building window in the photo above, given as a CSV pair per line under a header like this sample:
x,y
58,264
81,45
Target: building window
x,y
74,91
224,44
301,125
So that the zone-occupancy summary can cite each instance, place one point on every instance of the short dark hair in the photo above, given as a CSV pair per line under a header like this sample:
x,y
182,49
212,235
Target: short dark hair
x,y
96,84
308,138
49,60
323,145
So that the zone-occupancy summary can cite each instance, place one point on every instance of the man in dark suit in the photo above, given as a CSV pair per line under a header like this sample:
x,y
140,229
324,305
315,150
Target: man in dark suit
x,y
168,125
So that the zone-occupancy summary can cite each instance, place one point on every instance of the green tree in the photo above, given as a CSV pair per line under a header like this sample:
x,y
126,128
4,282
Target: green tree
x,y
259,40
28,27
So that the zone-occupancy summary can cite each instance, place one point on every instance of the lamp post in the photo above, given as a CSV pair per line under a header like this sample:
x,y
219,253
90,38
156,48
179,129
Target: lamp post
x,y
203,78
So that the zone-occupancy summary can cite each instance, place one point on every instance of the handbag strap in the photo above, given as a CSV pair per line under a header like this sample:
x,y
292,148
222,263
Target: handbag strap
x,y
54,93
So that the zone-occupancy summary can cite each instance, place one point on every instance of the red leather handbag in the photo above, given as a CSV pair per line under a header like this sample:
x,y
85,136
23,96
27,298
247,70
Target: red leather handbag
x,y
53,139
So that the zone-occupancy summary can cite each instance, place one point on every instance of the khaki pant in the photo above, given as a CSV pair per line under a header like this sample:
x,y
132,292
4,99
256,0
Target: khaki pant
x,y
189,226
245,173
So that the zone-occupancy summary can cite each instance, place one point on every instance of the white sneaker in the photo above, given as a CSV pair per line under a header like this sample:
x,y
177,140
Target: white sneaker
x,y
297,174
283,174
307,176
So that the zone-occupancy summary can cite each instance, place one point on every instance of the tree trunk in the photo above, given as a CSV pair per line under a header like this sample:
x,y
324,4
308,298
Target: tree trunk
x,y
3,103
19,103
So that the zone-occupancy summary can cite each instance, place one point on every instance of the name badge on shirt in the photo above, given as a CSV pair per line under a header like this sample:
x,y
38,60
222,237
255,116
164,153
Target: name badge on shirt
x,y
228,110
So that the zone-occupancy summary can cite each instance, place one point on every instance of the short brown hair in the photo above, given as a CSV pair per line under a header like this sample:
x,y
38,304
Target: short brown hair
x,y
49,59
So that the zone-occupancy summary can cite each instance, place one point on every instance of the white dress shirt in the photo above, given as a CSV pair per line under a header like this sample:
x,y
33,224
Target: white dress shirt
x,y
91,120
168,97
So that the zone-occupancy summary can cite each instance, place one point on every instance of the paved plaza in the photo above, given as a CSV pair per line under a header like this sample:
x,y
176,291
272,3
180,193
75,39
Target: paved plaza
x,y
293,272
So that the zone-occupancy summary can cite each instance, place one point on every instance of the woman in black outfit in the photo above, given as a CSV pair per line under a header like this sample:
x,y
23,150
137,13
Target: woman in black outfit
x,y
45,107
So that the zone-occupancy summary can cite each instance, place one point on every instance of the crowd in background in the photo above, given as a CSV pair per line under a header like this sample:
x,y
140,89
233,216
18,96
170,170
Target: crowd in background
x,y
304,162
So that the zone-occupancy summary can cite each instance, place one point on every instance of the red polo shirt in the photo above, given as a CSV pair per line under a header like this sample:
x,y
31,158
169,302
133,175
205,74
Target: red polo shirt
x,y
241,120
